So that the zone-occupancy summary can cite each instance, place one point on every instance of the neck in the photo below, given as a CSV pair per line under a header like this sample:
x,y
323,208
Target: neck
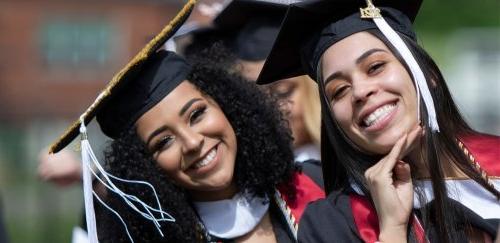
x,y
416,159
205,196
263,232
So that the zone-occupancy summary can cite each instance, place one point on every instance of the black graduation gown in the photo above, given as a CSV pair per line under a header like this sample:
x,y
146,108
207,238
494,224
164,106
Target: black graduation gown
x,y
331,220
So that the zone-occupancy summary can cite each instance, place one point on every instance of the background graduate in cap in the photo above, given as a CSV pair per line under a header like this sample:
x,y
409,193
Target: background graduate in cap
x,y
399,161
247,29
199,155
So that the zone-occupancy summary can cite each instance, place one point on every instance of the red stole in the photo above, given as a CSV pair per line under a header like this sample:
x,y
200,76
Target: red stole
x,y
484,148
307,191
366,220
486,151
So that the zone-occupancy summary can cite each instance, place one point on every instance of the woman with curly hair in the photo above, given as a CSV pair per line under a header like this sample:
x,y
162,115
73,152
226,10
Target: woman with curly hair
x,y
213,147
215,150
199,155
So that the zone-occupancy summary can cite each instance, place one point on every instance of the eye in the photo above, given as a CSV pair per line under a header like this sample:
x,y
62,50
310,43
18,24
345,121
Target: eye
x,y
162,143
337,89
197,114
283,92
376,68
340,91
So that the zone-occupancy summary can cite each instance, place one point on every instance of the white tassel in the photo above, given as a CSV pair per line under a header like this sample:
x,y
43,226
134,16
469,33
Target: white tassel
x,y
144,210
420,80
87,188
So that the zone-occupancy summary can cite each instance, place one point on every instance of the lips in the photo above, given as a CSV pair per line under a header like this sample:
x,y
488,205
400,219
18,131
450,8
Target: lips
x,y
206,160
375,115
378,114
202,163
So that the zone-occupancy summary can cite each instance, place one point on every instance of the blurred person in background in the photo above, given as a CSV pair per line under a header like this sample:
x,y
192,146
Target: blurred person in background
x,y
299,98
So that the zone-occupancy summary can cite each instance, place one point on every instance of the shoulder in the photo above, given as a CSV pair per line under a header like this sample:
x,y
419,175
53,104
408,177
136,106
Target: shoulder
x,y
312,169
328,220
308,181
306,190
481,142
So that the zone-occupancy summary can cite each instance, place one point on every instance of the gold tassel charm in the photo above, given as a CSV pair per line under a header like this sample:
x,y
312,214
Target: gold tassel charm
x,y
370,12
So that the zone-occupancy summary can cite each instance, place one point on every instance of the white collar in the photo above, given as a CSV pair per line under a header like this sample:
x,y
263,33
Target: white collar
x,y
306,152
465,191
231,218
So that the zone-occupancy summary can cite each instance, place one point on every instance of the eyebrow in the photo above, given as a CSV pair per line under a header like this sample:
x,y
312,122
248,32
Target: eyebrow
x,y
358,60
154,133
163,128
187,105
332,77
367,54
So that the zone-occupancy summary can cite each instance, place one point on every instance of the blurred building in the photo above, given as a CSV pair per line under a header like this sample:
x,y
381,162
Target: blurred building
x,y
57,54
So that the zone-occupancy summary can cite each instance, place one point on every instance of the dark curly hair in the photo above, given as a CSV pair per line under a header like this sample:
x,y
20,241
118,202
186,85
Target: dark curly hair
x,y
264,158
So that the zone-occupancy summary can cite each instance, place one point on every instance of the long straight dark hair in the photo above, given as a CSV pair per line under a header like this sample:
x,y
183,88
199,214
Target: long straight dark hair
x,y
345,163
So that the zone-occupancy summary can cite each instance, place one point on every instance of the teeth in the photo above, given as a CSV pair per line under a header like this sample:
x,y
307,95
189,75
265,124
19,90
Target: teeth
x,y
378,114
210,156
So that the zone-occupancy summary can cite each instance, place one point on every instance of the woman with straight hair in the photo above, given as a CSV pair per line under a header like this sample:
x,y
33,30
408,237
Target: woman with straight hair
x,y
399,161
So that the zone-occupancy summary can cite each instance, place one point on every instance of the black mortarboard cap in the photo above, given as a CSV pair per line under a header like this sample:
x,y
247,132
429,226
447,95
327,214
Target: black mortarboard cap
x,y
141,84
310,27
252,26
158,76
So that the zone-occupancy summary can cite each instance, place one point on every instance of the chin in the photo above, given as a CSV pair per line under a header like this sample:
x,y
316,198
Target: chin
x,y
221,182
382,148
384,144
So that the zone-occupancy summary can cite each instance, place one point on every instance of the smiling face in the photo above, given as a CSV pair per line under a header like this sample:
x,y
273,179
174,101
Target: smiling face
x,y
371,94
192,140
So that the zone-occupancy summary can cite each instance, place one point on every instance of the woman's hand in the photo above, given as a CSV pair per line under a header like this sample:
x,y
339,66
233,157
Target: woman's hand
x,y
62,169
391,188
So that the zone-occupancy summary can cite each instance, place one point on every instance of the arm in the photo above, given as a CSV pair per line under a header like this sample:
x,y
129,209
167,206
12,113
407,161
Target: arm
x,y
391,188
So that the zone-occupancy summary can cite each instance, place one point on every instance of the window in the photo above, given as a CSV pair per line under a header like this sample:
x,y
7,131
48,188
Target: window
x,y
75,44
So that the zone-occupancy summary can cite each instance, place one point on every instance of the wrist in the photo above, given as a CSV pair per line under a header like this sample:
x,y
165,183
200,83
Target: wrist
x,y
393,234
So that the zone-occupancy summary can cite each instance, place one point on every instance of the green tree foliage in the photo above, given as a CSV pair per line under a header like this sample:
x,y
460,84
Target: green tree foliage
x,y
449,15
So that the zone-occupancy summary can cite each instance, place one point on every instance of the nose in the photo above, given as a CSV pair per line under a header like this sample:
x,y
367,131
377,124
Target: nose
x,y
363,89
192,141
